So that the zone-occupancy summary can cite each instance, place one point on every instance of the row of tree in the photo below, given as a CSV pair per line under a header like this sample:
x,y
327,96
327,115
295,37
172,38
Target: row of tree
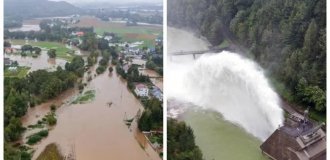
x,y
152,116
50,30
155,61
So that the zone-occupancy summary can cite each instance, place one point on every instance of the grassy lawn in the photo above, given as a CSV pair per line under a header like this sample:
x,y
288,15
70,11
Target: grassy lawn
x,y
21,72
85,97
61,50
51,152
145,33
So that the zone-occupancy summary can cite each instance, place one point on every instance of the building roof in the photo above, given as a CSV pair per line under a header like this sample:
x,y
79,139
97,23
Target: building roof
x,y
299,138
79,33
141,86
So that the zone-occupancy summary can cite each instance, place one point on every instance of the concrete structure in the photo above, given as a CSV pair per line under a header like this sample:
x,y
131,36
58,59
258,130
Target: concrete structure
x,y
298,139
141,90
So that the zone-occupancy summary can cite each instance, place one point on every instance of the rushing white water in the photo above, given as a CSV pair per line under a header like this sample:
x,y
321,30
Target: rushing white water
x,y
230,84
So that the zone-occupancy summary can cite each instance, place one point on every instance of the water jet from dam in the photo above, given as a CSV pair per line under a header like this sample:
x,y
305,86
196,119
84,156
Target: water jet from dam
x,y
229,84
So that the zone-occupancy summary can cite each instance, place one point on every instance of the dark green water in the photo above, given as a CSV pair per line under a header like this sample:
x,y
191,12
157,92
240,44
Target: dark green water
x,y
221,140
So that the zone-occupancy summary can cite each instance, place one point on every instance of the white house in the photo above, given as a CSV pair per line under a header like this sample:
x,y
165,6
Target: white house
x,y
108,38
12,69
141,90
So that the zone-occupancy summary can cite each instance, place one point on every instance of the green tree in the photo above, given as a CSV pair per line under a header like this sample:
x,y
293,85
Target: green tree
x,y
310,38
37,50
181,142
51,53
110,69
76,66
13,130
26,47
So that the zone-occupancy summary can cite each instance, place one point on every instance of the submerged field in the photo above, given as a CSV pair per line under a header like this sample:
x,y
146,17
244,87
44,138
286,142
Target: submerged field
x,y
61,50
146,33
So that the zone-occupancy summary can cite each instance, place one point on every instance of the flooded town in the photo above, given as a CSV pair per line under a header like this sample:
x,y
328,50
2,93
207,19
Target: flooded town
x,y
91,84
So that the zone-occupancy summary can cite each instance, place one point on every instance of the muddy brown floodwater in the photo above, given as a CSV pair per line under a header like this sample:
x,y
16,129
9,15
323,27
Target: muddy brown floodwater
x,y
40,62
94,130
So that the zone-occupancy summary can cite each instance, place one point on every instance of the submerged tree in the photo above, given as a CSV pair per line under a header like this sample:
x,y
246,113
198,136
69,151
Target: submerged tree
x,y
52,53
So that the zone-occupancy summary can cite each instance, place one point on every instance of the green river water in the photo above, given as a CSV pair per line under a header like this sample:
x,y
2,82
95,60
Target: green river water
x,y
221,140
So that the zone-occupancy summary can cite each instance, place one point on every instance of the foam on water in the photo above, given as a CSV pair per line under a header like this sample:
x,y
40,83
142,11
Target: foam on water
x,y
230,84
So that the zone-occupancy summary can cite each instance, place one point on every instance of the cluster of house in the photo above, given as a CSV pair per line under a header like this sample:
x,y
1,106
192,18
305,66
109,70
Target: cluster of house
x,y
131,48
143,90
75,40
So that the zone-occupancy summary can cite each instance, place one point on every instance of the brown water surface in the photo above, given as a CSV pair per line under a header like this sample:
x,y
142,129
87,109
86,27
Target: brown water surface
x,y
40,62
94,130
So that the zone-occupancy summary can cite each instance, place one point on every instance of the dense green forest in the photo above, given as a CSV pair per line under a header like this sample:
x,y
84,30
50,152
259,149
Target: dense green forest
x,y
286,37
181,142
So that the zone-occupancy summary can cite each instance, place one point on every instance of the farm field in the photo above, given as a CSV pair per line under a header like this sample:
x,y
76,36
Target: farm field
x,y
146,33
61,50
